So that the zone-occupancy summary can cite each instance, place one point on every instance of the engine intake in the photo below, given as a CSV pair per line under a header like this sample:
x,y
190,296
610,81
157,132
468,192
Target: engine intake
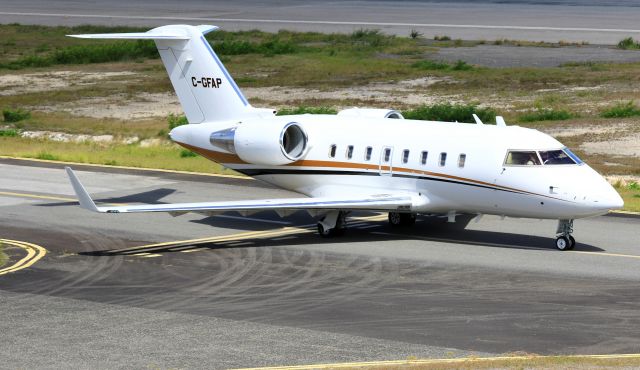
x,y
265,143
370,113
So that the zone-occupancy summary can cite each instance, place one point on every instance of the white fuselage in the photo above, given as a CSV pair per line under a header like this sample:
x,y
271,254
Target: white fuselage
x,y
483,184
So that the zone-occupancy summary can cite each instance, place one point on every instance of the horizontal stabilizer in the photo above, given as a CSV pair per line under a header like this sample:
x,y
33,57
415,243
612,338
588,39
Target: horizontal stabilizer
x,y
160,33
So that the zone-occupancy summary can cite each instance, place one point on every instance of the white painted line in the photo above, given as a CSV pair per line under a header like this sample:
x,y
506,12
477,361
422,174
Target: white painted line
x,y
355,23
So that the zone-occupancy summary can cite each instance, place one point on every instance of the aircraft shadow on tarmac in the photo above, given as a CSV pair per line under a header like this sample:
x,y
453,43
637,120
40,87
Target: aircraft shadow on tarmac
x,y
425,229
148,197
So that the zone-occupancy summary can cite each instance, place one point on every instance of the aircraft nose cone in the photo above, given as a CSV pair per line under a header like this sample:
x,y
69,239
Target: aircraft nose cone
x,y
613,200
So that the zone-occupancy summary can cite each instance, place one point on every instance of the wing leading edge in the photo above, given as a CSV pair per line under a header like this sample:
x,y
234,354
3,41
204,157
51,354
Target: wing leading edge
x,y
380,202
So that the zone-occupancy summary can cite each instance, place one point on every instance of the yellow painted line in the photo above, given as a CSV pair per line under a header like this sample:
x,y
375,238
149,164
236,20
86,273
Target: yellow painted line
x,y
465,360
241,177
34,196
608,254
626,213
443,240
151,255
49,197
34,254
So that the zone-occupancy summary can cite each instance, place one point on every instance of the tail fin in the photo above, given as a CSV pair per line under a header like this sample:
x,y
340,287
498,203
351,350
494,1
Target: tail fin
x,y
206,90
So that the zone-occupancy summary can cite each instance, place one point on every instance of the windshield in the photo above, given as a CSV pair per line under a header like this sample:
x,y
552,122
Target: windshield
x,y
555,157
522,158
542,157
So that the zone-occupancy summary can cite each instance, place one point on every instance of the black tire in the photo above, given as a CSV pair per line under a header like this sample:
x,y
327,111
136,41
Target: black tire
x,y
395,219
325,233
408,219
572,240
563,243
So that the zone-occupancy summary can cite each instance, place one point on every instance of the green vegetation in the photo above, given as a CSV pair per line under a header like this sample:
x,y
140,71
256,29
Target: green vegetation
x,y
305,110
442,38
15,115
430,65
450,113
165,156
9,132
629,44
630,193
545,115
175,120
622,110
185,153
414,34
3,257
89,53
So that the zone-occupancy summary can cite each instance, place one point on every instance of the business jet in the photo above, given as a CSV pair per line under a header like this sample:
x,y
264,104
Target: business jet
x,y
364,159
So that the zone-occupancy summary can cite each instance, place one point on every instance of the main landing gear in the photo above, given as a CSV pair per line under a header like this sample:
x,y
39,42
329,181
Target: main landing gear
x,y
332,224
397,219
564,240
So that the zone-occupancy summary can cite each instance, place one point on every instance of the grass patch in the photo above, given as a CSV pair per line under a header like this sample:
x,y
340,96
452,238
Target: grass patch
x,y
3,256
163,156
629,44
175,120
546,115
9,133
306,110
185,153
631,196
430,65
450,113
15,115
89,53
621,110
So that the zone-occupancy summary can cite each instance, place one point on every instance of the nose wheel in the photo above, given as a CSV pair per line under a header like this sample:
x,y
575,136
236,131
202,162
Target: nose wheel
x,y
564,240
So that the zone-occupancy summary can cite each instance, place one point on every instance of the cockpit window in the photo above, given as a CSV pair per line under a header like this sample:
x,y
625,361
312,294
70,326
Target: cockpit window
x,y
550,157
522,158
573,156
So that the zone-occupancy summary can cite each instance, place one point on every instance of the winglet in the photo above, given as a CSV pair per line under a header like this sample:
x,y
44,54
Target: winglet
x,y
83,197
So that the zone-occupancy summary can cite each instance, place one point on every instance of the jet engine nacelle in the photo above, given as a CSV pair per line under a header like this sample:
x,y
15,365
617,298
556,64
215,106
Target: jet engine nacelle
x,y
264,143
370,113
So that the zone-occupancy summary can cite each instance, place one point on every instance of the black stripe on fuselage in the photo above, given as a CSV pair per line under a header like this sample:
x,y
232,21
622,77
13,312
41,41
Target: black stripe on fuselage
x,y
263,172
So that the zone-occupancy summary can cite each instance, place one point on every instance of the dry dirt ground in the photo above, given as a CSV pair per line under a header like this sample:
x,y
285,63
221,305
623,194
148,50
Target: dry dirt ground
x,y
616,138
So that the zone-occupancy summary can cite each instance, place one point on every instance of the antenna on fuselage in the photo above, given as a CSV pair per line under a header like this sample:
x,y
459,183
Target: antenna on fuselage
x,y
500,121
477,119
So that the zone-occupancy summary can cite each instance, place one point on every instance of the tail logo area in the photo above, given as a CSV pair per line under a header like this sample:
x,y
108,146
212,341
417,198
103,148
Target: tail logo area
x,y
210,82
205,88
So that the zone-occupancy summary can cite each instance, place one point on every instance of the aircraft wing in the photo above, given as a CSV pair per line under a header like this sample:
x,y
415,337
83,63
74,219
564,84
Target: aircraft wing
x,y
379,202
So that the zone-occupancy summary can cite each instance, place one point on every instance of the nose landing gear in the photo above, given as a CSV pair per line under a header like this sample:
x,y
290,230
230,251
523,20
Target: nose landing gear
x,y
564,240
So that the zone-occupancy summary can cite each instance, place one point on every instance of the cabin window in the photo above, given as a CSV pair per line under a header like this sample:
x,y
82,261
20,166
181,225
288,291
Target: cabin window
x,y
461,159
443,159
555,157
349,153
387,154
332,151
405,156
423,157
367,153
522,158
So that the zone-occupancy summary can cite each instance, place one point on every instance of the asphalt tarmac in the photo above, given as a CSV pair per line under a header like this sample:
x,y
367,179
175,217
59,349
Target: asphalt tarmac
x,y
218,292
599,22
